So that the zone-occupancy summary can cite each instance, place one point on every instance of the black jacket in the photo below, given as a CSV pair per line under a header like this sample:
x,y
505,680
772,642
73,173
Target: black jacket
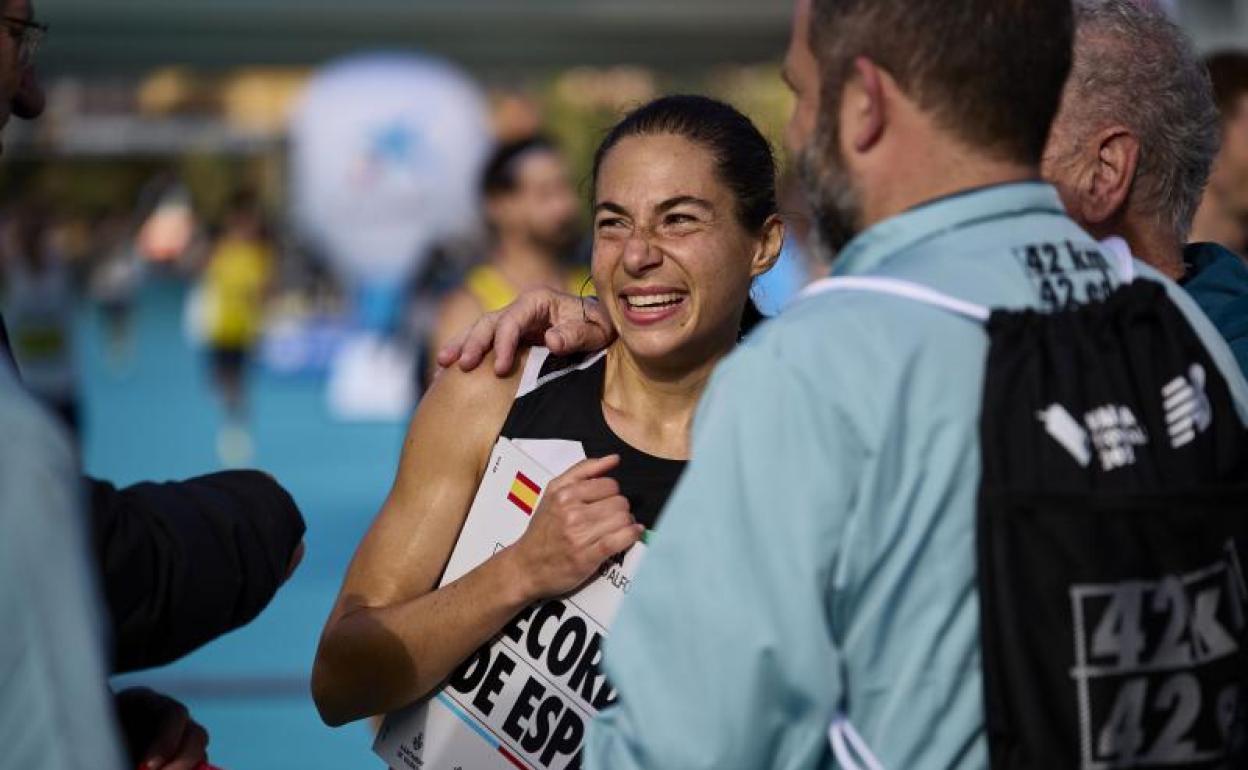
x,y
184,562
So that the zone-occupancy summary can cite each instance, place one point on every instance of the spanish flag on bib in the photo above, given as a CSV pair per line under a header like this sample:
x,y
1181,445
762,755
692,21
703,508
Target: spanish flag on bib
x,y
524,493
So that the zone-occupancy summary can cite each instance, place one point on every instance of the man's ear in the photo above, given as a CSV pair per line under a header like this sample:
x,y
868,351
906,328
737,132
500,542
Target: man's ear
x,y
769,247
1109,180
864,112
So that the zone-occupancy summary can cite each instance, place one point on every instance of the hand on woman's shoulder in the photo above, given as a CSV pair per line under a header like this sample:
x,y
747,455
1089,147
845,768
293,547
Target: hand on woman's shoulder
x,y
477,388
467,407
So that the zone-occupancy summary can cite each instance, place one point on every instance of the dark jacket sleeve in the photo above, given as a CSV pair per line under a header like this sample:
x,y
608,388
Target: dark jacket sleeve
x,y
185,562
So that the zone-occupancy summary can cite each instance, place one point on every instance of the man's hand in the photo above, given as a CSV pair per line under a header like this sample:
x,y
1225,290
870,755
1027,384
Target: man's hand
x,y
159,733
562,322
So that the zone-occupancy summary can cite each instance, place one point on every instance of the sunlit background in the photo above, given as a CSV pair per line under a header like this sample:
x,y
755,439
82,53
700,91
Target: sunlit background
x,y
159,112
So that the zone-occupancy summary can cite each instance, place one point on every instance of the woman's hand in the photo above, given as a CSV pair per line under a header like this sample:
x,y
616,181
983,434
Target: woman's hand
x,y
581,522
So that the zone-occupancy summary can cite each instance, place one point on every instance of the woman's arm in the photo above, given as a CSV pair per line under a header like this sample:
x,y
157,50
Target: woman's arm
x,y
391,637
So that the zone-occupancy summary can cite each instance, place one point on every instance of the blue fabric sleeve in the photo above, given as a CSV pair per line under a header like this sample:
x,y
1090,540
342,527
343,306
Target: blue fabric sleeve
x,y
723,654
57,712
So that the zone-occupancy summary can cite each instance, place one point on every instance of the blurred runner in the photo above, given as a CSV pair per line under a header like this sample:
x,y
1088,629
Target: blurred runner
x,y
531,209
114,286
39,308
235,283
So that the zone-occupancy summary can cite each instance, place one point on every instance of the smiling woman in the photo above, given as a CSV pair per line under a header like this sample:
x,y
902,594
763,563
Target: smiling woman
x,y
685,218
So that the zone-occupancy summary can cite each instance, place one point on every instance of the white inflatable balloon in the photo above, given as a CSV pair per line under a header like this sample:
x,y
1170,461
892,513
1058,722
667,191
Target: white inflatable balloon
x,y
386,154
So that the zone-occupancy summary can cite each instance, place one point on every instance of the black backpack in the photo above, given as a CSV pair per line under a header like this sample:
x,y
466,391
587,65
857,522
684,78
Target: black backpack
x,y
1112,538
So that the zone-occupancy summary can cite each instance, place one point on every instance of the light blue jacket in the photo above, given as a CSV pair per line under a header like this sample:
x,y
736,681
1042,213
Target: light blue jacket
x,y
818,555
56,712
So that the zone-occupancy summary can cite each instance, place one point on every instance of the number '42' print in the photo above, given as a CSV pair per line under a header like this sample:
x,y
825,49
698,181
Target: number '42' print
x,y
1159,667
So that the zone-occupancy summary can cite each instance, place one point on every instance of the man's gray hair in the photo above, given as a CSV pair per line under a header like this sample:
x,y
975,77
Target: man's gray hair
x,y
1134,67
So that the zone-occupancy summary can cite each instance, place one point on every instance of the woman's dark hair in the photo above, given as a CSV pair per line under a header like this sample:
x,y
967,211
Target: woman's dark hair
x,y
499,175
743,157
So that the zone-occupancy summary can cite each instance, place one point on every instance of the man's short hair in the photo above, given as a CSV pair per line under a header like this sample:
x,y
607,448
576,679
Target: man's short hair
x,y
1229,72
499,176
1134,67
990,71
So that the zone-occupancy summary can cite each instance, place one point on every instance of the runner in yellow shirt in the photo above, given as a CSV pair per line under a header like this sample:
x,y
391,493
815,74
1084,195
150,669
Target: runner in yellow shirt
x,y
236,282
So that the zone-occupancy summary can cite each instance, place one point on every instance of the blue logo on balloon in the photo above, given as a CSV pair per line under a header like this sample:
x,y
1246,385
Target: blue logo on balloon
x,y
394,150
395,144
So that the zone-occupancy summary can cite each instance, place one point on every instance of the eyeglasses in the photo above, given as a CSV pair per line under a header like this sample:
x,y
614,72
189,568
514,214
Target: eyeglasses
x,y
27,34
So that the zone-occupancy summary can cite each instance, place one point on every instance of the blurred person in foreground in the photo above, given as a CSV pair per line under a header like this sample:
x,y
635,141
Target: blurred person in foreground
x,y
684,221
1131,150
178,563
824,534
531,214
1223,214
39,306
55,708
237,280
56,711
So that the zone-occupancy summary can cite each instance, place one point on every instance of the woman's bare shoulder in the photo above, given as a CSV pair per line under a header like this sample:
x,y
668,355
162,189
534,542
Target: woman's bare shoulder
x,y
478,388
468,406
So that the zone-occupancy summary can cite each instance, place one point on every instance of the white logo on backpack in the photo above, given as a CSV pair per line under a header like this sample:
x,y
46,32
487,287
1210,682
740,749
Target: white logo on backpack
x,y
1067,431
1115,434
1188,411
1111,430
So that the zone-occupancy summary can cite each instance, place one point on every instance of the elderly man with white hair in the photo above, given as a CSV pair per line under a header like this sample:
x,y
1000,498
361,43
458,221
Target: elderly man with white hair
x,y
1131,150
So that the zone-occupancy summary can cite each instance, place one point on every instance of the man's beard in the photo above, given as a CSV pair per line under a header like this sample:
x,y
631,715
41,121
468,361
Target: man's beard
x,y
557,241
834,203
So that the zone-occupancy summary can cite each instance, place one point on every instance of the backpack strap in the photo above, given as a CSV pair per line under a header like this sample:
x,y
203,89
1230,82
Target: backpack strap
x,y
897,287
849,748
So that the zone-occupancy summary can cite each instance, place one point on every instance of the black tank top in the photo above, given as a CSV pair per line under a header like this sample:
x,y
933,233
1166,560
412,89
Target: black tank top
x,y
559,405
